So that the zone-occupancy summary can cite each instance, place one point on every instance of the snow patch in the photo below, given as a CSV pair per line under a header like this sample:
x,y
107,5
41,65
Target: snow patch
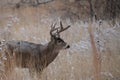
x,y
80,46
108,74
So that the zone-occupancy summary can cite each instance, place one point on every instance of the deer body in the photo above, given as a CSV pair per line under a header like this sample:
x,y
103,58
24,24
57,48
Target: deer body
x,y
26,51
35,56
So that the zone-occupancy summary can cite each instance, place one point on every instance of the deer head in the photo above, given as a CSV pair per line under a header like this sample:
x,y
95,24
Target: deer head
x,y
58,42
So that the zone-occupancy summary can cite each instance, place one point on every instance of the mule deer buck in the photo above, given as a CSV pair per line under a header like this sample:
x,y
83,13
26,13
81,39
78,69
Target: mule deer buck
x,y
35,56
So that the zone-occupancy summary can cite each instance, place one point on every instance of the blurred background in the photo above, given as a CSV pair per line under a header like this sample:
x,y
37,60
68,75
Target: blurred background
x,y
95,57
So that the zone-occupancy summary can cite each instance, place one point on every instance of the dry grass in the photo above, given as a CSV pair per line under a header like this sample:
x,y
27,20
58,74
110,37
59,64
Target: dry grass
x,y
73,64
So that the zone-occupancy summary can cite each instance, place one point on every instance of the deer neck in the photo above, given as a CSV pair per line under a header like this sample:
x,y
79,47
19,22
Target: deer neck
x,y
50,53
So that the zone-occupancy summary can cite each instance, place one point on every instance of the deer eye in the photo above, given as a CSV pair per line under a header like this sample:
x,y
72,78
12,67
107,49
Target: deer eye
x,y
59,41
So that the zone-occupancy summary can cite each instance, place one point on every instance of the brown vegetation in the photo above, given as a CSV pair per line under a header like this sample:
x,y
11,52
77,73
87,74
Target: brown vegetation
x,y
31,23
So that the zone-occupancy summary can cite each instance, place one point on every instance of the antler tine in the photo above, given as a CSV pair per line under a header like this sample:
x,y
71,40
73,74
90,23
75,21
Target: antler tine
x,y
53,29
53,26
61,25
62,29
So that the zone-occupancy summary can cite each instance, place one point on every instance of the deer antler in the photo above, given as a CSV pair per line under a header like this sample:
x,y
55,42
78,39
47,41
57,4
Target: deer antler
x,y
53,29
59,29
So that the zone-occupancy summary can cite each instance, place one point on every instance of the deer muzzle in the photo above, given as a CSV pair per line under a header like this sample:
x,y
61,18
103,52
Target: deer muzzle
x,y
67,46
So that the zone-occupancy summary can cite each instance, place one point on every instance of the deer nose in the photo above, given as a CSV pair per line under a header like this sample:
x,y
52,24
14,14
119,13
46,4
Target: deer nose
x,y
68,46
